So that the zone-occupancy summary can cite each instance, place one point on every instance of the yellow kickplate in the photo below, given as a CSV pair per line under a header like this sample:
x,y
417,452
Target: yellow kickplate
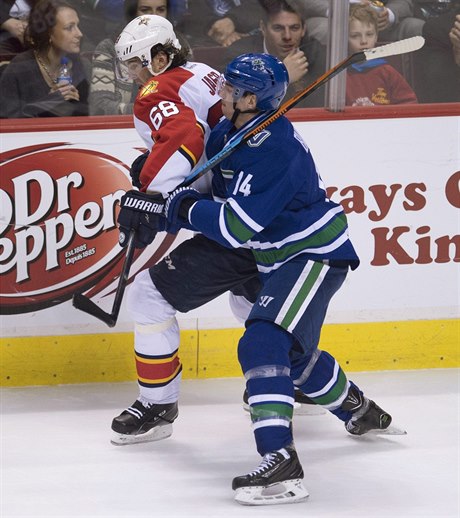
x,y
211,353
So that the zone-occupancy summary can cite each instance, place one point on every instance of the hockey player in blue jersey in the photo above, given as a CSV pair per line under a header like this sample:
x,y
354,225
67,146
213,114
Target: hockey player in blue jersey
x,y
268,196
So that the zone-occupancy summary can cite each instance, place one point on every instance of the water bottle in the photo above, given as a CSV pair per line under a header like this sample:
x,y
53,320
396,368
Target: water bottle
x,y
64,75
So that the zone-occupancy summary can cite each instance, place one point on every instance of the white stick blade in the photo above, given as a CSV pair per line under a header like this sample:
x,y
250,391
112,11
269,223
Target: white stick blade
x,y
395,48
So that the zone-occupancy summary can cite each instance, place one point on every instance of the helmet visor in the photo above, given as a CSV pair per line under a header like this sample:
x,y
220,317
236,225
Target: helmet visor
x,y
227,92
127,71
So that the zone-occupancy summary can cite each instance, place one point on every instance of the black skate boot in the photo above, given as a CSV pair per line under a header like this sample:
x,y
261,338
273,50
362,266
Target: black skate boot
x,y
367,416
277,480
303,405
144,422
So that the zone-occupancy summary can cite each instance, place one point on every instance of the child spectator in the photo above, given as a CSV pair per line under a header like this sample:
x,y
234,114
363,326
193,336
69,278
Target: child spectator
x,y
373,82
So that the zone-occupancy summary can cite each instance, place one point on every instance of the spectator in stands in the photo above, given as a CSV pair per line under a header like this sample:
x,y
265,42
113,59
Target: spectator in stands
x,y
13,23
243,20
208,23
108,94
30,86
284,35
221,23
98,20
437,63
373,82
396,19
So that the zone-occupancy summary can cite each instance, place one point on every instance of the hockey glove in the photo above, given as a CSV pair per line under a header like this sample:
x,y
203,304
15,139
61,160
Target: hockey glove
x,y
136,168
178,204
144,214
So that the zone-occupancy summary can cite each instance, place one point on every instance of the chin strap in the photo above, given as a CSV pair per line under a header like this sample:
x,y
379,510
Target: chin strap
x,y
235,115
237,112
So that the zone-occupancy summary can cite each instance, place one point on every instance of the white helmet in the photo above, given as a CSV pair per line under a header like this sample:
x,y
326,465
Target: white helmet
x,y
141,34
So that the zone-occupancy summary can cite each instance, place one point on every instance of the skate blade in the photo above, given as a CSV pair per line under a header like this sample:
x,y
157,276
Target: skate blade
x,y
391,430
287,492
307,409
300,409
155,434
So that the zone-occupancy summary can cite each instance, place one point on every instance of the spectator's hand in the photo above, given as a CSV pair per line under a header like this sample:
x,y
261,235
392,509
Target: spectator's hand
x,y
232,38
454,36
222,30
68,91
383,17
297,65
15,27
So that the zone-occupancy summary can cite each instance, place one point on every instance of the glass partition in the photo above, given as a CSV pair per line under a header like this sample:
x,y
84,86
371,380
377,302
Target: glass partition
x,y
309,36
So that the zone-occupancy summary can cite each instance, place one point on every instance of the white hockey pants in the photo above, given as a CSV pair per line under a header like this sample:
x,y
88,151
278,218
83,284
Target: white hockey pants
x,y
156,341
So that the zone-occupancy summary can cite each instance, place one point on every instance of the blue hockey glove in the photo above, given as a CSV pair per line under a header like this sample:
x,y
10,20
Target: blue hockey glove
x,y
178,204
136,168
144,214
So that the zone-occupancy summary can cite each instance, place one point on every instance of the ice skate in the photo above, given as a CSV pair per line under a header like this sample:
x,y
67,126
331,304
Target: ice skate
x,y
303,405
143,422
277,480
368,417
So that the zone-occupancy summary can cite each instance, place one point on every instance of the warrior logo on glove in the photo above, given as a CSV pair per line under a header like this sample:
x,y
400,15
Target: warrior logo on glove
x,y
143,213
142,204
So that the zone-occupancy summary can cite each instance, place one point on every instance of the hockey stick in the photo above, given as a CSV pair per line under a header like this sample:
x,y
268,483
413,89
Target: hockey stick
x,y
85,304
392,49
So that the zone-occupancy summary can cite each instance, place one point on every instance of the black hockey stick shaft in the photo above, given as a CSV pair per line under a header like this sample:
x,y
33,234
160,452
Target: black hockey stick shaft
x,y
85,304
399,47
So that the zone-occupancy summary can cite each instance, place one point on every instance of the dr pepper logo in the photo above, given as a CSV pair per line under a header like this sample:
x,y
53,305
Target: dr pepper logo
x,y
58,233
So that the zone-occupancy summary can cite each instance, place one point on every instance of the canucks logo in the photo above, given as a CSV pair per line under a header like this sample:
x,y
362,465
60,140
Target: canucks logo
x,y
258,64
257,139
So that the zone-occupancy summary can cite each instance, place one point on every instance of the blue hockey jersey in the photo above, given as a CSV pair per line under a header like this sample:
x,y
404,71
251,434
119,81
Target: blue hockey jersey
x,y
274,200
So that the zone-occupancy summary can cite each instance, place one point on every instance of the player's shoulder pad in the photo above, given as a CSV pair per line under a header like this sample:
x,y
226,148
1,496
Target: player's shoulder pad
x,y
259,138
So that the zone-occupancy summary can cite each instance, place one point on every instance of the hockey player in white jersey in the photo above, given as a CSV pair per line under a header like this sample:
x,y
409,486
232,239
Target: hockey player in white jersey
x,y
175,109
276,204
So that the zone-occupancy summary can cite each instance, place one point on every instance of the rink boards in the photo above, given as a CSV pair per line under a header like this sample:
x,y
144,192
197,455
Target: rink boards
x,y
397,176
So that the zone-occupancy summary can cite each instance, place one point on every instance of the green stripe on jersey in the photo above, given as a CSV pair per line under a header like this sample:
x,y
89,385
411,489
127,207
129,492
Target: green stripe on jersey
x,y
327,235
236,227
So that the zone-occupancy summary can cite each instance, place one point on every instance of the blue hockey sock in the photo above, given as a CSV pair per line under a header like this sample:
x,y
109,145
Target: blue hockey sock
x,y
326,384
263,352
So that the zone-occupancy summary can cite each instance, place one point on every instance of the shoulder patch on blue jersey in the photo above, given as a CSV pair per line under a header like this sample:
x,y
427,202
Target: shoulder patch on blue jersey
x,y
257,140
